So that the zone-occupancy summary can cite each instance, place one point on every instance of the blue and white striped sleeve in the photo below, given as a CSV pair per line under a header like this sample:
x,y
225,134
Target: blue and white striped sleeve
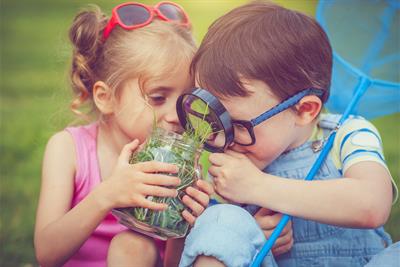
x,y
356,141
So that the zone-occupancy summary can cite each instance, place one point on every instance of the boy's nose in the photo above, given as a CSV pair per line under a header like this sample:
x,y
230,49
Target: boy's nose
x,y
237,148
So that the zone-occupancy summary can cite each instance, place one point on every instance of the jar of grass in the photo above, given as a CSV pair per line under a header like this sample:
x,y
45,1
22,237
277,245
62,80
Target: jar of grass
x,y
182,150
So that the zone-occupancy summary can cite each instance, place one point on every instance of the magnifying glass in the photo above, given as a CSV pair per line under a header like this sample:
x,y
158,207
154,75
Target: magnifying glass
x,y
203,114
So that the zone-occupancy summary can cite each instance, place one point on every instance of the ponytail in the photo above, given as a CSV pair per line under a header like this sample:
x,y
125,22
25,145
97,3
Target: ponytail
x,y
85,35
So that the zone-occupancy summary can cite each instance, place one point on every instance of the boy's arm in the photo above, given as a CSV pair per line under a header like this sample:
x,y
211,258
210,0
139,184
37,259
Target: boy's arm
x,y
363,196
361,199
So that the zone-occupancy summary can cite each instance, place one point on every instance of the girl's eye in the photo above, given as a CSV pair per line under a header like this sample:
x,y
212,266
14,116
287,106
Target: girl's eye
x,y
156,100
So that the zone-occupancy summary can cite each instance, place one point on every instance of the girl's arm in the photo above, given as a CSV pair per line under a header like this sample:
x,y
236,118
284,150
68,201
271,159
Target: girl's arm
x,y
362,198
60,230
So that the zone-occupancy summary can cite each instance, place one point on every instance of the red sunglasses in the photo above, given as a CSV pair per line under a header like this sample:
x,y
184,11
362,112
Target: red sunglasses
x,y
132,15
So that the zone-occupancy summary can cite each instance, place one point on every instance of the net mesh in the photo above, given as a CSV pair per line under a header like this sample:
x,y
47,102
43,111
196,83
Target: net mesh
x,y
365,37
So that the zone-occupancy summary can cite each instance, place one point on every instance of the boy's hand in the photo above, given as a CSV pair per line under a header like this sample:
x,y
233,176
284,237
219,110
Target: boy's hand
x,y
196,199
235,176
268,220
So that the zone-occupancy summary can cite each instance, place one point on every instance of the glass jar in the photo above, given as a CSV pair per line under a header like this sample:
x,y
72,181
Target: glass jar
x,y
169,147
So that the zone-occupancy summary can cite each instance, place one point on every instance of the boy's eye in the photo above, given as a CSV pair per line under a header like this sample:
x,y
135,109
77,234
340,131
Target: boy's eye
x,y
239,128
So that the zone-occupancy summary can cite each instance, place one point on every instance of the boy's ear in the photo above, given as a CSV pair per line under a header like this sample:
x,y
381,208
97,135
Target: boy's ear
x,y
308,109
102,97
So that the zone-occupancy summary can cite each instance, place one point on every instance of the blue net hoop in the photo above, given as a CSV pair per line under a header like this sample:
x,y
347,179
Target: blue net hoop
x,y
365,38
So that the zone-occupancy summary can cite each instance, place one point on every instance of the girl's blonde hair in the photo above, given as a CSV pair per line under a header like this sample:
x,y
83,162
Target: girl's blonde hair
x,y
149,53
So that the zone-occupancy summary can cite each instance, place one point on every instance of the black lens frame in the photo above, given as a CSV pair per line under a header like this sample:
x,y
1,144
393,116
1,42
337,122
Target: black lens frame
x,y
249,126
214,105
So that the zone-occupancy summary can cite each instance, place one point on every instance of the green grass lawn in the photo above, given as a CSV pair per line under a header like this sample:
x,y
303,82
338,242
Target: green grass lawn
x,y
34,104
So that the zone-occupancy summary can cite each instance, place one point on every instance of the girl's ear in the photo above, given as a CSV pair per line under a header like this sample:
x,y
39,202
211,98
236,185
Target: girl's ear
x,y
308,109
102,96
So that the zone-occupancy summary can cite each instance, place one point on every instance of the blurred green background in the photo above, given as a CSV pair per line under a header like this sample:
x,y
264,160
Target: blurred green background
x,y
35,99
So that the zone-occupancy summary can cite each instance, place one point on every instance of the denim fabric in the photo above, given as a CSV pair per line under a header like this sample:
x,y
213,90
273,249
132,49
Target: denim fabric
x,y
232,235
228,233
389,257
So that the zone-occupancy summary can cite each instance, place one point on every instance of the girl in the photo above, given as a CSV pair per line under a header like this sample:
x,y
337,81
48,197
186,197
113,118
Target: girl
x,y
126,69
278,77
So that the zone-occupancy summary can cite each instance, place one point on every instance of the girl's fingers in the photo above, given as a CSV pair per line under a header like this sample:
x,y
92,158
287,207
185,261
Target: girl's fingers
x,y
284,239
127,151
269,222
268,232
188,217
146,203
282,249
158,191
156,166
263,212
161,179
205,187
287,229
193,205
198,196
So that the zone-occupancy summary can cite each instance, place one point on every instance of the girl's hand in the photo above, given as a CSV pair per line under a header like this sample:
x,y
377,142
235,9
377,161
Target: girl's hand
x,y
130,184
235,176
268,220
196,199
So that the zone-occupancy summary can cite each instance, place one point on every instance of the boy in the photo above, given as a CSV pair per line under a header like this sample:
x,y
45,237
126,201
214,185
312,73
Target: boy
x,y
254,58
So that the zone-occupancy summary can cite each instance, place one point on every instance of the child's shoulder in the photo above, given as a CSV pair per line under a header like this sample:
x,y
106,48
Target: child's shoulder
x,y
83,133
73,138
358,132
66,141
61,139
59,157
357,140
352,123
61,145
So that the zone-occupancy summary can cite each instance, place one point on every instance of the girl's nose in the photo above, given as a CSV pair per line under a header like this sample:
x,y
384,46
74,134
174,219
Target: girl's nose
x,y
172,117
172,121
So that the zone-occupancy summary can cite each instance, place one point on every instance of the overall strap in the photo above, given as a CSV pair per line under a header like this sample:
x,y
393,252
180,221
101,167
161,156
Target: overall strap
x,y
328,123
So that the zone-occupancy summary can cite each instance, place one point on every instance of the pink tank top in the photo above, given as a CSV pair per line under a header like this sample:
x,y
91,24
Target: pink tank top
x,y
93,253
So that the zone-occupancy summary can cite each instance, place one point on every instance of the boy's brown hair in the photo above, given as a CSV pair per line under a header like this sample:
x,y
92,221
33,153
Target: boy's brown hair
x,y
286,49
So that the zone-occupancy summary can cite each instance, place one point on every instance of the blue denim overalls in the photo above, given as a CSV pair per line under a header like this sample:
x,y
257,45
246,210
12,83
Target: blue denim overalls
x,y
230,234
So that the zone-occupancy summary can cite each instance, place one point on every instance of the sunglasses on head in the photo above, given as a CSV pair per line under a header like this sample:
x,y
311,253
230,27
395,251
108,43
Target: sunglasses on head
x,y
132,15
